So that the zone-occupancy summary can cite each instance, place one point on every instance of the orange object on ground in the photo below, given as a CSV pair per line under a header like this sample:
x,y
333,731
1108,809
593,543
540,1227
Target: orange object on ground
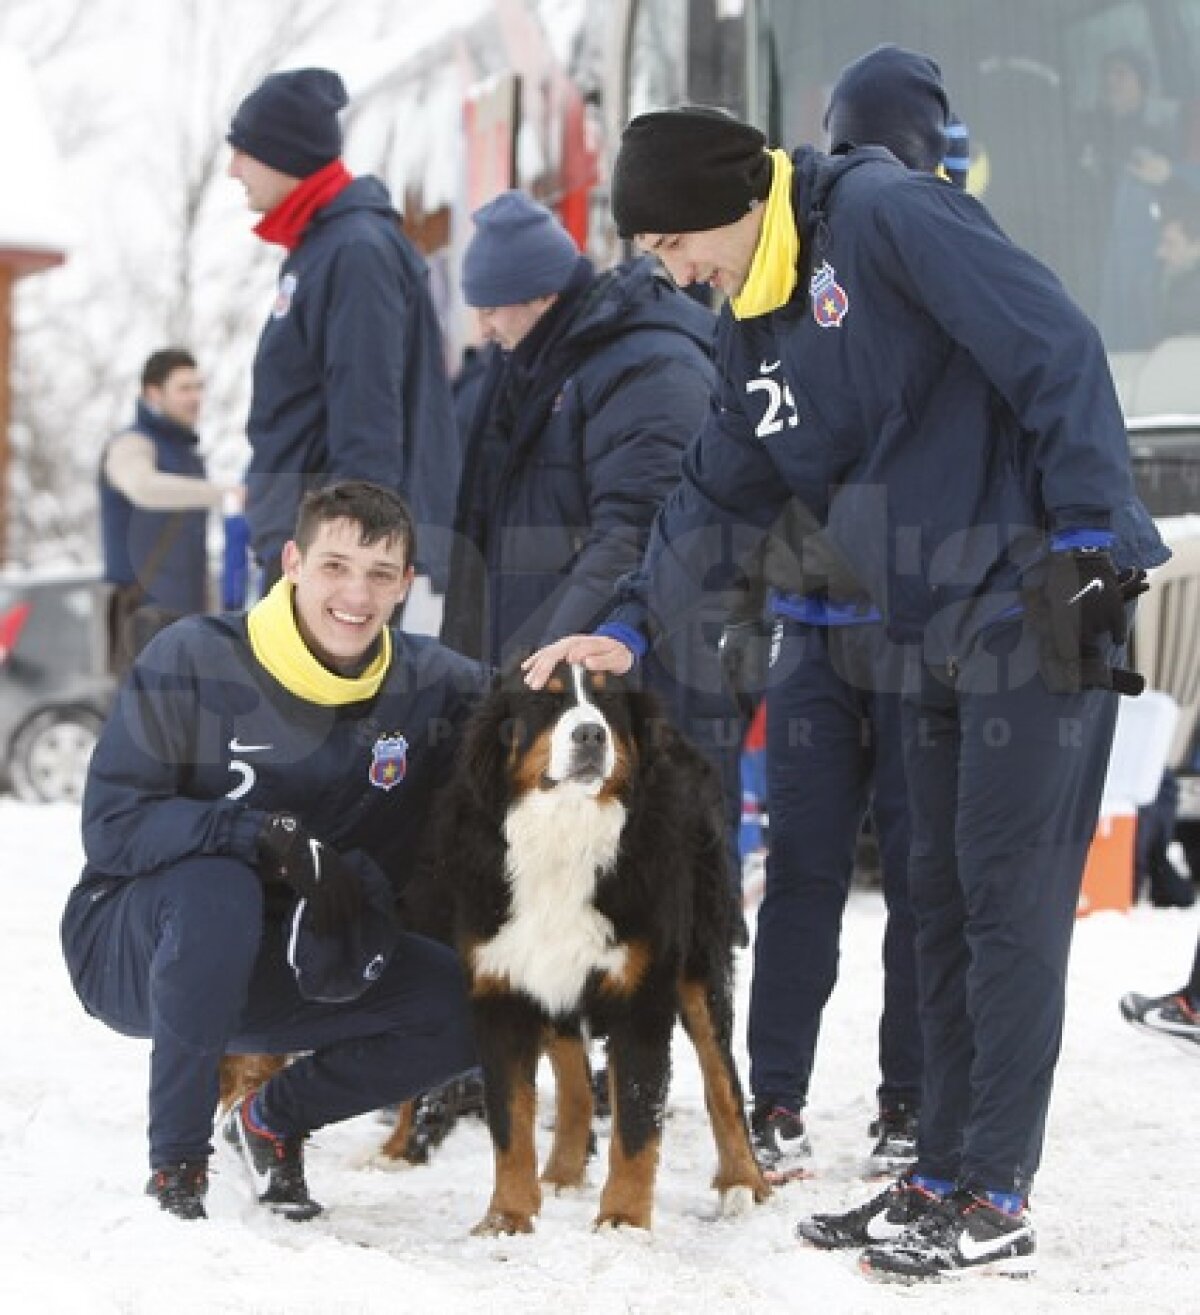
x,y
1108,873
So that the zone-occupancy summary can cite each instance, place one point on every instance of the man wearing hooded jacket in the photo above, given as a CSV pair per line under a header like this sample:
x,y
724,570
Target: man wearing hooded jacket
x,y
595,385
947,411
349,377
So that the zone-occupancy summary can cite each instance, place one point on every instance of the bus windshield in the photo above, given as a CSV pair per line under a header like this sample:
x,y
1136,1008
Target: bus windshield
x,y
1084,120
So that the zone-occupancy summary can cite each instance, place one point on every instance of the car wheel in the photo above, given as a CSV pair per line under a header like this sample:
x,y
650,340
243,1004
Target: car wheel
x,y
50,755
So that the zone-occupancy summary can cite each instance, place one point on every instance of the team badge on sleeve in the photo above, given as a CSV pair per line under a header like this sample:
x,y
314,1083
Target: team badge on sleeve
x,y
389,761
829,300
283,297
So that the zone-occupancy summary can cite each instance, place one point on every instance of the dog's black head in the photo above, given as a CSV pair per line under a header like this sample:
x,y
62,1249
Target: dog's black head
x,y
587,732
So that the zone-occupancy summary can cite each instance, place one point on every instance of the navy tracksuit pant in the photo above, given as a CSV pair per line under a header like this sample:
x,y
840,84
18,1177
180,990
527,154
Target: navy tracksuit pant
x,y
834,746
1005,781
186,958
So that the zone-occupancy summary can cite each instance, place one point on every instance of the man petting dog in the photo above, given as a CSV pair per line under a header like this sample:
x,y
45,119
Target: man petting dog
x,y
259,776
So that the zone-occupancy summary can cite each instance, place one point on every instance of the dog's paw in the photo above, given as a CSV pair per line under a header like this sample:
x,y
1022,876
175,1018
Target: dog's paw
x,y
380,1159
736,1201
620,1219
502,1223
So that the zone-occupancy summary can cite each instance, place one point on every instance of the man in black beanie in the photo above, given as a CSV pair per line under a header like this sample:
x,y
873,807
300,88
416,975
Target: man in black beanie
x,y
933,396
349,377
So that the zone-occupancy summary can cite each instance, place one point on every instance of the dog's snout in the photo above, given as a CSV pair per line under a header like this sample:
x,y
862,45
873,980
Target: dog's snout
x,y
589,735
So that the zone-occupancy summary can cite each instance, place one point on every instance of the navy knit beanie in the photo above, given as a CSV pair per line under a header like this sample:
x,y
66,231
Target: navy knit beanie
x,y
894,98
519,252
686,170
291,121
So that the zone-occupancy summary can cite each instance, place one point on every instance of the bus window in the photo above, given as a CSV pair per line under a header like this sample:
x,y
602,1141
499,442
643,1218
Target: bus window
x,y
1030,78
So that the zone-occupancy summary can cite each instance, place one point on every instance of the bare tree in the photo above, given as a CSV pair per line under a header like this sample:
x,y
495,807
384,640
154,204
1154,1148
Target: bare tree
x,y
169,260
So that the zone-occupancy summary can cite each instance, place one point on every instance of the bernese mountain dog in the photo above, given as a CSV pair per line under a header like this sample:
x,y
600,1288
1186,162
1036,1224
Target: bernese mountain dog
x,y
588,871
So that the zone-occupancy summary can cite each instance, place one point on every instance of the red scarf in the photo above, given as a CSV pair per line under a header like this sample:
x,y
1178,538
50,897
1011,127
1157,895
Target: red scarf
x,y
285,224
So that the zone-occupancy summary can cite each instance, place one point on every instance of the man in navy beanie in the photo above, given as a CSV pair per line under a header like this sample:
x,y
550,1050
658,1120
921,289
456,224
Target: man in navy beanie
x,y
349,378
931,394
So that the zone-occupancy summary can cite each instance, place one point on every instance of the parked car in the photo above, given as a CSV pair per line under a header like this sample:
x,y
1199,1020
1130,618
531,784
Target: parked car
x,y
55,685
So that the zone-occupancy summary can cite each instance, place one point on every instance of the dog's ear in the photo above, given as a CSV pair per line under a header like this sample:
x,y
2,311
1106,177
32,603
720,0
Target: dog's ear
x,y
485,752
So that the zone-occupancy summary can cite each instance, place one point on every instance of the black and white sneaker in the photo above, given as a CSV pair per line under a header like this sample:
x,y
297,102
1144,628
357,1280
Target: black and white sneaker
x,y
780,1143
884,1217
1170,1016
895,1133
275,1164
180,1188
963,1235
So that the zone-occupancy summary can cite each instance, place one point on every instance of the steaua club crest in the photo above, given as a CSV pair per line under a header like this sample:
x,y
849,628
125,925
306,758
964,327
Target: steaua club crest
x,y
389,761
283,297
829,300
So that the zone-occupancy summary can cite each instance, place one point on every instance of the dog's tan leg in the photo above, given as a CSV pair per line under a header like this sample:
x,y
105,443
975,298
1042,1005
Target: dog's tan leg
x,y
736,1166
242,1074
628,1196
397,1140
516,1196
567,1164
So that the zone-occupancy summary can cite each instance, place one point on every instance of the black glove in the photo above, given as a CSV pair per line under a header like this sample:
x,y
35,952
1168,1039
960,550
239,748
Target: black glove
x,y
1080,603
744,650
1084,600
288,852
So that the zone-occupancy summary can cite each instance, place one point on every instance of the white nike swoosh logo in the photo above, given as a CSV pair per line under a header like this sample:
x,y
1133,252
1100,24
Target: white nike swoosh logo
x,y
236,746
972,1250
1090,587
881,1229
767,367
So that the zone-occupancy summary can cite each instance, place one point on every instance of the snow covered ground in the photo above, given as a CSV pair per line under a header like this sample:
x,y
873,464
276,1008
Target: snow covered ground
x,y
1115,1203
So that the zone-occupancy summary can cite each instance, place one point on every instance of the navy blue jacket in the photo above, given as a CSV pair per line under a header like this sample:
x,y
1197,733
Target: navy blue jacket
x,y
164,551
576,441
929,391
349,377
203,744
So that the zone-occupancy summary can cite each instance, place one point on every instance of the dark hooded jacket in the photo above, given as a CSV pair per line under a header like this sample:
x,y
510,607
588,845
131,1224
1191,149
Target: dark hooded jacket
x,y
929,391
575,442
349,377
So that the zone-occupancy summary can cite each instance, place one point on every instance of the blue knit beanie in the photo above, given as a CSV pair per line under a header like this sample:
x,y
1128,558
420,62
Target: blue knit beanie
x,y
519,252
894,98
291,121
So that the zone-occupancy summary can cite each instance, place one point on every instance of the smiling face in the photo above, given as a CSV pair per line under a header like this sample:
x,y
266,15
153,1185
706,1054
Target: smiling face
x,y
720,257
345,590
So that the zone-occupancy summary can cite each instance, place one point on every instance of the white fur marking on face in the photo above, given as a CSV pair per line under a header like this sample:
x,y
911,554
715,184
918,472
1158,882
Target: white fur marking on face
x,y
562,749
559,842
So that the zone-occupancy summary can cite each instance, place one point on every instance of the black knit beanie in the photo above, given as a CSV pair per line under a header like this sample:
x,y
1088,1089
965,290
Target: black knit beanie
x,y
686,170
894,98
291,121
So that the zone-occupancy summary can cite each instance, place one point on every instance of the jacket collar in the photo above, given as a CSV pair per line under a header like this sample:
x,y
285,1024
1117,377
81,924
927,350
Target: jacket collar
x,y
157,425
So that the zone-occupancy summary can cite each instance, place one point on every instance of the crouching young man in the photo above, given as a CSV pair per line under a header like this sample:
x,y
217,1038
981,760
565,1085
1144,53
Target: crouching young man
x,y
259,776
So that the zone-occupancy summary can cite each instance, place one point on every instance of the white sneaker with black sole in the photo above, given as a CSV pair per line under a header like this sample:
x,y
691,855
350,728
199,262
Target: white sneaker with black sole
x,y
963,1236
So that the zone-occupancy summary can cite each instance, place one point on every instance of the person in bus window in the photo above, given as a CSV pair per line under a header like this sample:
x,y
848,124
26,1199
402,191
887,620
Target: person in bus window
x,y
1179,263
949,415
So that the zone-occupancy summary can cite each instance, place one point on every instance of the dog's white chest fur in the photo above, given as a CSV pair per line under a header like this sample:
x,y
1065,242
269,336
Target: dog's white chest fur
x,y
558,844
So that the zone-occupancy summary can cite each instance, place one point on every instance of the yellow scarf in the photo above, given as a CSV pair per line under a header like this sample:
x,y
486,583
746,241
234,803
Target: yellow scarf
x,y
772,277
279,647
